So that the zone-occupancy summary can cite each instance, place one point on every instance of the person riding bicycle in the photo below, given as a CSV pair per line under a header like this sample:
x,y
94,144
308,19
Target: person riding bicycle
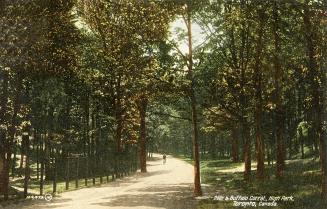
x,y
164,158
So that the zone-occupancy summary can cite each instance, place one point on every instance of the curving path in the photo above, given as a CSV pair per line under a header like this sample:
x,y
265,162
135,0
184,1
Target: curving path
x,y
166,186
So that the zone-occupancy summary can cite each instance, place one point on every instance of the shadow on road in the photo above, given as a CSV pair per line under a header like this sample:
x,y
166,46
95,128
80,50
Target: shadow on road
x,y
158,196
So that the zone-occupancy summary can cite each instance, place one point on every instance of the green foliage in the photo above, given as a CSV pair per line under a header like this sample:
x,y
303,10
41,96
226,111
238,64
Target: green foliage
x,y
76,73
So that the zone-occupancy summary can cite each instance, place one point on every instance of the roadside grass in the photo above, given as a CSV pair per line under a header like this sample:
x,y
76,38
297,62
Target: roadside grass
x,y
301,180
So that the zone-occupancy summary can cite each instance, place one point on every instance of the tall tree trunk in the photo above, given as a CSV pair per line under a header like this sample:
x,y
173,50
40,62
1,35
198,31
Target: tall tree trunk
x,y
323,113
278,79
48,138
67,125
316,93
258,98
9,140
26,142
195,135
3,137
247,149
235,153
93,155
87,125
41,150
119,116
323,151
244,58
37,139
119,125
67,135
97,138
142,143
13,163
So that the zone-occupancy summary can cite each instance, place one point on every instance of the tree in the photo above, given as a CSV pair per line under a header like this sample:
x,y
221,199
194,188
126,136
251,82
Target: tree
x,y
258,91
278,93
316,79
126,39
16,62
195,134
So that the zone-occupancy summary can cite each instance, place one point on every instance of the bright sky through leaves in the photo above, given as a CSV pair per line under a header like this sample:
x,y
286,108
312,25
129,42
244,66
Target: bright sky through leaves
x,y
178,34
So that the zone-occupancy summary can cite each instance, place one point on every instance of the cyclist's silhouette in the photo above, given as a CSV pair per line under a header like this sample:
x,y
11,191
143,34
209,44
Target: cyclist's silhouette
x,y
164,158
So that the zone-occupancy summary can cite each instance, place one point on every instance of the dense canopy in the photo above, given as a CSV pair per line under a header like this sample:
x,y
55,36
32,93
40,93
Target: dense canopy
x,y
111,82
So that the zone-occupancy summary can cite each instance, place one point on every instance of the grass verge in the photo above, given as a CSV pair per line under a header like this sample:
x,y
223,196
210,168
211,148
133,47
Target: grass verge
x,y
224,178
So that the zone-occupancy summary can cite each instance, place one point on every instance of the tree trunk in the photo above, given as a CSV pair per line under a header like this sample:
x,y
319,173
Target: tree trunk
x,y
323,113
9,140
3,137
13,163
268,154
258,98
93,154
247,150
235,154
142,143
323,162
195,135
42,164
67,125
27,165
49,137
118,137
119,127
317,94
323,134
119,117
278,79
37,141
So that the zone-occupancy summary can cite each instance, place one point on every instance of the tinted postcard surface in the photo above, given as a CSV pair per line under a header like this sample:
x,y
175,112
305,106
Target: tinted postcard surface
x,y
163,104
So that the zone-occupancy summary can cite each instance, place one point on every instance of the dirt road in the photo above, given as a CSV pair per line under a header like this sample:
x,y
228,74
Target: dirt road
x,y
166,186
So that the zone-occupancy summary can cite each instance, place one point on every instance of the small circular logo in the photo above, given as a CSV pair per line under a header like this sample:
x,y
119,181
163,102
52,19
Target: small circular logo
x,y
48,197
